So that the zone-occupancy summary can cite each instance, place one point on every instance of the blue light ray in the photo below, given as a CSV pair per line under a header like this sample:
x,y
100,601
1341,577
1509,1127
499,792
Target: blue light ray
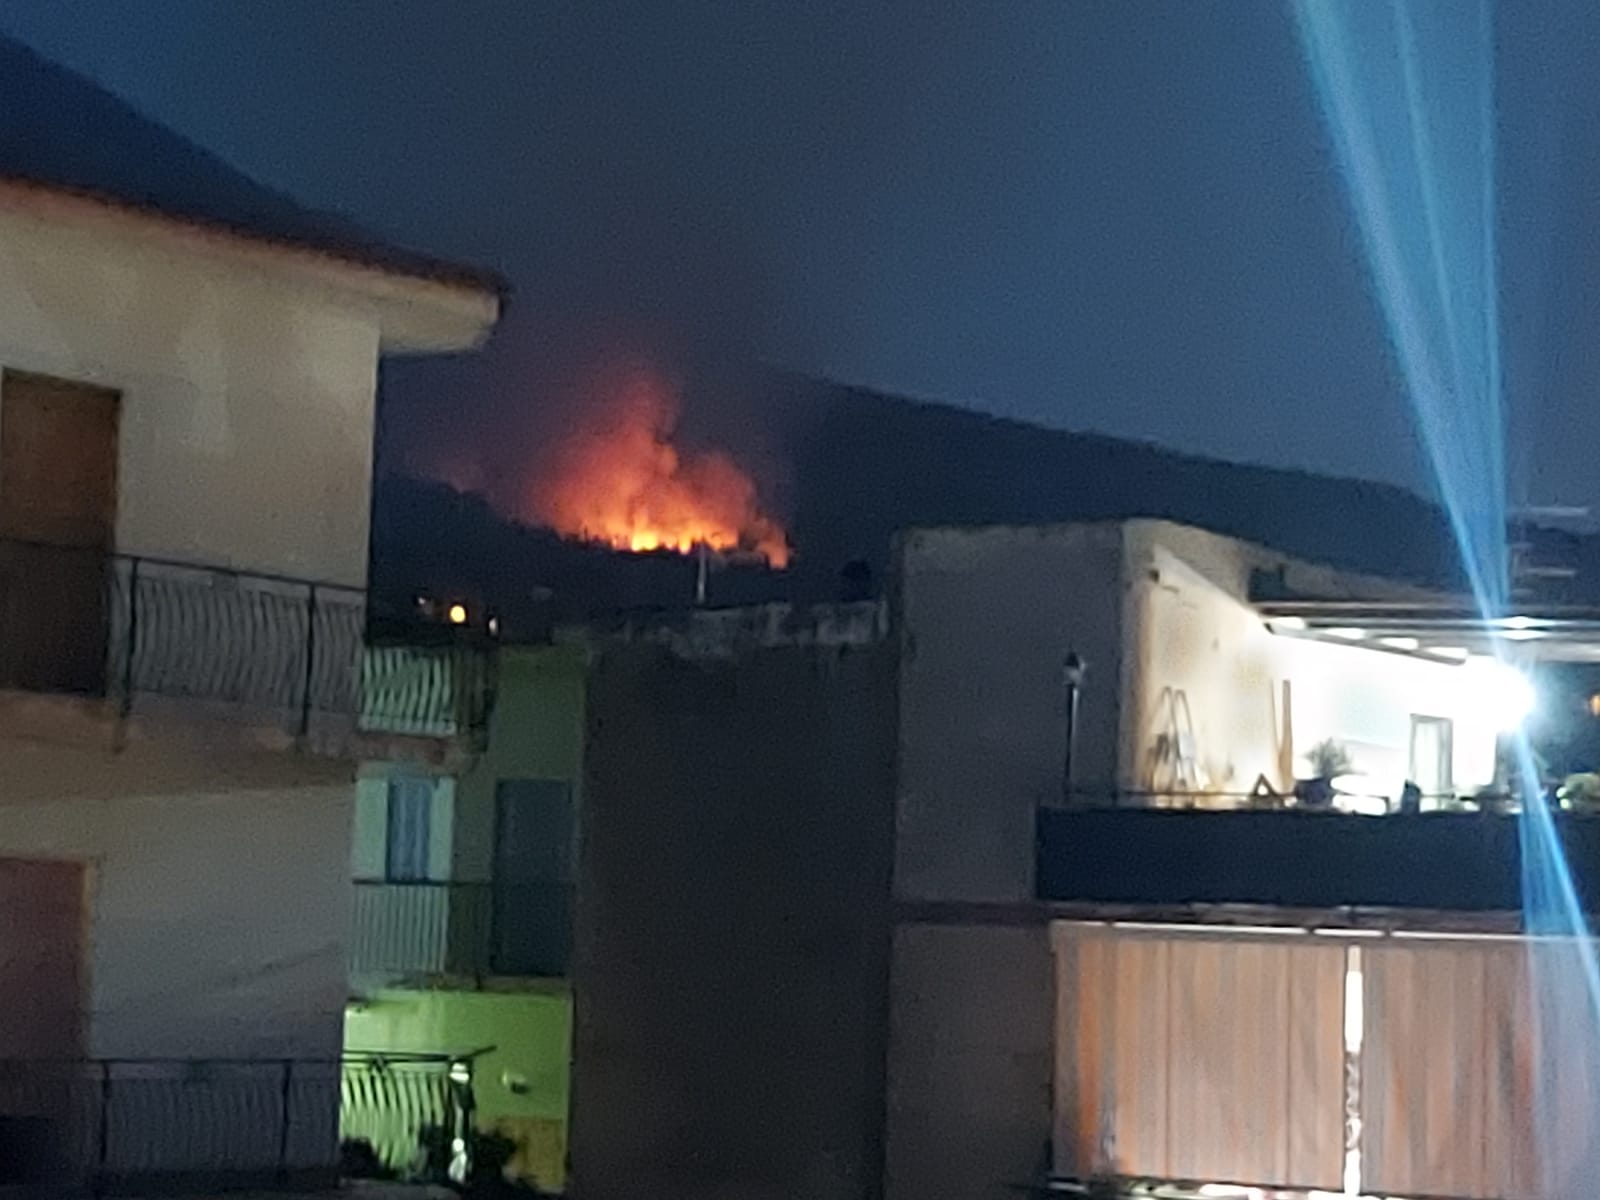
x,y
1406,91
1417,188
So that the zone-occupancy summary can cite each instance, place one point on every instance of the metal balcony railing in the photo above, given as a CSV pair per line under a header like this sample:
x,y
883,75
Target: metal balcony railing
x,y
133,629
92,1126
426,690
434,928
1308,795
415,1111
407,930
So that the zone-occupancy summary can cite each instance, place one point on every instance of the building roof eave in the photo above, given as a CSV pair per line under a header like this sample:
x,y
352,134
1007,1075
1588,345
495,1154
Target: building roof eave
x,y
424,305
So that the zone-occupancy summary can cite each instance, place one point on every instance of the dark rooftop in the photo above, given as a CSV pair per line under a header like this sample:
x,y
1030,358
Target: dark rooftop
x,y
61,131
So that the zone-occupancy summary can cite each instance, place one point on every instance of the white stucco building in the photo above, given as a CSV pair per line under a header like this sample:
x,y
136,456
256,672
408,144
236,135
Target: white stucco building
x,y
1160,961
187,377
1197,685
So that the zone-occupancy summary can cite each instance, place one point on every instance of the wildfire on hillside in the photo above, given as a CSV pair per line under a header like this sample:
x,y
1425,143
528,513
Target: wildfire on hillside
x,y
620,480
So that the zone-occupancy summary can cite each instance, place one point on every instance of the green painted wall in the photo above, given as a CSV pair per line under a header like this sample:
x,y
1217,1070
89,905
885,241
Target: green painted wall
x,y
521,1087
535,732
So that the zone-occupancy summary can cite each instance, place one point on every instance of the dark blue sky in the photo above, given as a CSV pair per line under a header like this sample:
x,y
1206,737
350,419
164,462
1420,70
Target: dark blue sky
x,y
1119,215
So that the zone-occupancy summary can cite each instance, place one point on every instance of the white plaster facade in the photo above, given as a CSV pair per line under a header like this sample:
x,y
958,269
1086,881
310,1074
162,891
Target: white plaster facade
x,y
1202,666
246,373
216,871
1179,666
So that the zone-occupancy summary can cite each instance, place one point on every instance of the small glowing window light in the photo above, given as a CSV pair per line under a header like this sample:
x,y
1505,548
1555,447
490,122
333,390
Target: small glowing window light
x,y
1594,704
1518,623
1453,653
457,614
1286,624
1346,633
494,626
1399,643
1523,634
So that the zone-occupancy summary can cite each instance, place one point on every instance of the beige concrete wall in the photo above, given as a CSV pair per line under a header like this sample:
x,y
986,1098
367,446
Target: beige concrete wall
x,y
247,395
1203,702
219,890
535,732
1229,562
985,621
970,1061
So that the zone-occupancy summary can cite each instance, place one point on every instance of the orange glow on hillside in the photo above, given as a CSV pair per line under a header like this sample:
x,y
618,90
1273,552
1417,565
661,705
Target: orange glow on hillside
x,y
621,481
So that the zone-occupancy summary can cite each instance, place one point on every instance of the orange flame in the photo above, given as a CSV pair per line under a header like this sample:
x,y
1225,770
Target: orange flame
x,y
622,482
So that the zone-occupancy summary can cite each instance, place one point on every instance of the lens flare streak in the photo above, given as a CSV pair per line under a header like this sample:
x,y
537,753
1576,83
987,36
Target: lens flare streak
x,y
1419,178
1406,90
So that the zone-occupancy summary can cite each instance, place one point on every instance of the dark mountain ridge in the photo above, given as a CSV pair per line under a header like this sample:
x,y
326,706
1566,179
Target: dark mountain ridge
x,y
856,467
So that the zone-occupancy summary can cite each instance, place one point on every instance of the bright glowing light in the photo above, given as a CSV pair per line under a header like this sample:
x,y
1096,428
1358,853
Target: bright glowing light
x,y
1501,694
1362,804
1453,653
1346,633
1287,624
1399,643
1517,700
1518,623
1362,795
457,614
1524,635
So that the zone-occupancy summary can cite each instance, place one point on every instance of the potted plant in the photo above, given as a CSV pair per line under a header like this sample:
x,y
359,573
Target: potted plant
x,y
1329,759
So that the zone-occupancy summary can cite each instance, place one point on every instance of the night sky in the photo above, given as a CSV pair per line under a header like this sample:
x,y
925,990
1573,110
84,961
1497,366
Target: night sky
x,y
1113,216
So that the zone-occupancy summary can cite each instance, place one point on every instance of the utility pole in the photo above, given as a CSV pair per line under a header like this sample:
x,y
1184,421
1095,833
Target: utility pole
x,y
1072,670
702,554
